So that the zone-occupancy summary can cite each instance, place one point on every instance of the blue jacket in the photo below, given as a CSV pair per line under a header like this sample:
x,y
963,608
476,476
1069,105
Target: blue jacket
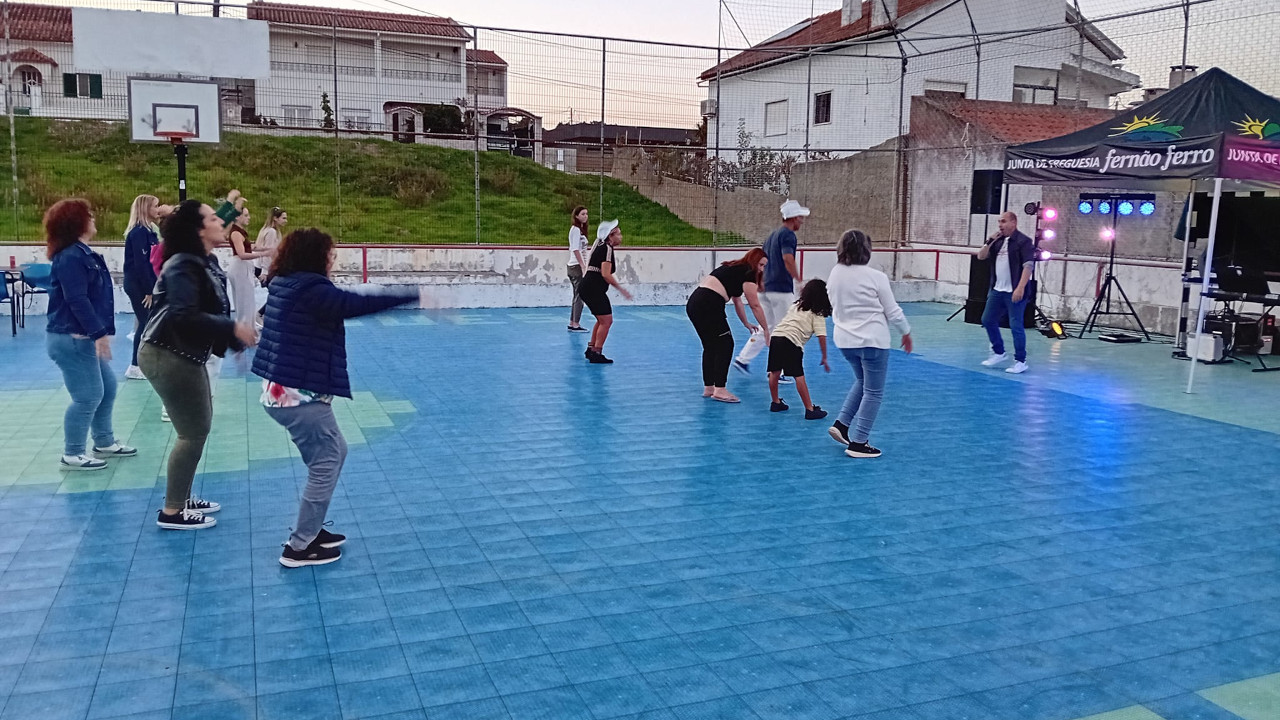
x,y
81,298
303,343
139,275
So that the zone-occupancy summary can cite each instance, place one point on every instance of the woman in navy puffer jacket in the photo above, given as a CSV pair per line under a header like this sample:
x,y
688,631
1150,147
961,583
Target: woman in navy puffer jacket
x,y
302,357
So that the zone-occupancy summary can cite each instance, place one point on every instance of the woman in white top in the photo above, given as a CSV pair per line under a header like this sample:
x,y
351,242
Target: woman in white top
x,y
863,309
240,271
577,245
269,236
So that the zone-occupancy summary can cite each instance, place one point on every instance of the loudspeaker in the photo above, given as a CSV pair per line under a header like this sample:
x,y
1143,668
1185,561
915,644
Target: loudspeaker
x,y
984,198
980,285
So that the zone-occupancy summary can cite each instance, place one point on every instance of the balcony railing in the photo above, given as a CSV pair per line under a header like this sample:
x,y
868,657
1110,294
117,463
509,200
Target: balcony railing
x,y
364,71
421,75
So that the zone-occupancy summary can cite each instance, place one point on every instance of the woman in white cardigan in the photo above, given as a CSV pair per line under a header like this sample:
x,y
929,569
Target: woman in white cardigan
x,y
864,309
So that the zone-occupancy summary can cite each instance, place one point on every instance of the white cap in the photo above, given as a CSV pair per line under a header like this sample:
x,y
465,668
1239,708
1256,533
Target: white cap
x,y
791,209
605,228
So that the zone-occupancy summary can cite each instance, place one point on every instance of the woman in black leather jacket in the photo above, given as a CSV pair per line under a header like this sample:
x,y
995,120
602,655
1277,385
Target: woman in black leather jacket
x,y
190,319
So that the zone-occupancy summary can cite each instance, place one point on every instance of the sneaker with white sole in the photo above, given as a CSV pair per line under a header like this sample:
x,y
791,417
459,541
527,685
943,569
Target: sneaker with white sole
x,y
861,450
81,462
784,380
1017,369
314,554
115,450
184,520
994,360
840,433
164,415
742,367
202,506
134,373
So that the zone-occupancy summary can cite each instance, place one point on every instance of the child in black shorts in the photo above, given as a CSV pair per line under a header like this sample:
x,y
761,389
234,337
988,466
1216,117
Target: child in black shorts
x,y
806,318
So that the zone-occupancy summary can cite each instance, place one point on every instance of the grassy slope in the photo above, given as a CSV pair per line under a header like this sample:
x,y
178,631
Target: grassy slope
x,y
390,193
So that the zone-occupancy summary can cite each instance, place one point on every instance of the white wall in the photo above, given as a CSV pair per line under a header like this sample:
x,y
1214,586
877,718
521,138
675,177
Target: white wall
x,y
864,79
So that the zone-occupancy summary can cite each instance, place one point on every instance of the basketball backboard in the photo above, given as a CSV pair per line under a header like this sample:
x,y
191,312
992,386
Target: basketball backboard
x,y
157,106
166,44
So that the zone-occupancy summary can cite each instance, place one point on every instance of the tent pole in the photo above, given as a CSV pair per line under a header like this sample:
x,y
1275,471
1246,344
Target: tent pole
x,y
1180,340
1206,272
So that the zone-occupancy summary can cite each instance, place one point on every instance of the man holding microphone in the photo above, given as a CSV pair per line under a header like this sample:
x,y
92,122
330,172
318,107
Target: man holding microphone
x,y
1014,255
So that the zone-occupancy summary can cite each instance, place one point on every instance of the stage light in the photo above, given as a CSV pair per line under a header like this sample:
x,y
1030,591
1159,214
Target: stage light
x,y
1050,214
1104,207
1147,208
1108,234
1053,329
1085,207
1049,234
1045,255
1125,208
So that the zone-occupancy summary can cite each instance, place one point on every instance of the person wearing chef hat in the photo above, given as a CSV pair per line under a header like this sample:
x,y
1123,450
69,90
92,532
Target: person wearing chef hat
x,y
777,289
594,288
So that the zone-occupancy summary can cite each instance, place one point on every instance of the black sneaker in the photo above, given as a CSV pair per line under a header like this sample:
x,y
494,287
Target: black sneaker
x,y
589,353
815,413
742,367
202,506
329,540
861,450
840,433
599,359
185,520
778,407
313,555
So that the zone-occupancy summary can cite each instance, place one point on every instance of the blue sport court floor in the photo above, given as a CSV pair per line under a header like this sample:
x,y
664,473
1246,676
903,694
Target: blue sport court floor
x,y
536,537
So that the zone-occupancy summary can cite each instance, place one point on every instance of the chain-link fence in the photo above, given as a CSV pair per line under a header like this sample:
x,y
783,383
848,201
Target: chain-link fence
x,y
401,127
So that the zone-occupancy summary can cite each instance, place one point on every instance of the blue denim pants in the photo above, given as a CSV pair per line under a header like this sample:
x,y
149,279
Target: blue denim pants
x,y
1000,304
92,386
862,404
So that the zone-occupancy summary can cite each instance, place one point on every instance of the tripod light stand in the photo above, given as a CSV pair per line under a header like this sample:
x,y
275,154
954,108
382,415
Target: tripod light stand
x,y
1116,206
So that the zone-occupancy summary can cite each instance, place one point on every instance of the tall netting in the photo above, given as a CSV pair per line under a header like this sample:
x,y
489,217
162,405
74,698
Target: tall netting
x,y
385,124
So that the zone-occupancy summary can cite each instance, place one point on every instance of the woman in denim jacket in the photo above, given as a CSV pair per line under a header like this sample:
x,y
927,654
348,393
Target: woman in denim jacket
x,y
81,322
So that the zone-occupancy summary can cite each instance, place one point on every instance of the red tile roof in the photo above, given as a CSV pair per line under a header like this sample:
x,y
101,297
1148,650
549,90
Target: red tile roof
x,y
39,23
30,55
825,29
283,14
485,57
1017,123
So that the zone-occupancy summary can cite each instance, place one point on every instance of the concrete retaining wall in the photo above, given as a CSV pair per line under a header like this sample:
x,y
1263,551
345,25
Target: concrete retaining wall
x,y
477,277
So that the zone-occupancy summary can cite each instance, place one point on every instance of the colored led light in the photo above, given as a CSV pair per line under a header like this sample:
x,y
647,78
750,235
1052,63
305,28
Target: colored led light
x,y
1086,207
1125,207
1147,208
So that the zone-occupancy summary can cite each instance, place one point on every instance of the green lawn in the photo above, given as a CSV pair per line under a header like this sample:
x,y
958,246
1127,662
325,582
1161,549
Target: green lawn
x,y
389,192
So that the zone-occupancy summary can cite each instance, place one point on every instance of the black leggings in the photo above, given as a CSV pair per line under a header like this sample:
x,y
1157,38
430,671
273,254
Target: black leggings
x,y
142,313
706,310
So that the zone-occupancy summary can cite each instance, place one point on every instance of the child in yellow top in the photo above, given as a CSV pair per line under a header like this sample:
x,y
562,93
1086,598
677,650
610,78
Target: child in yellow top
x,y
806,318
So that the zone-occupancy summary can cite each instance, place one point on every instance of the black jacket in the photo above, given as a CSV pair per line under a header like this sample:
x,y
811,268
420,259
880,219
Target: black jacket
x,y
1022,251
190,314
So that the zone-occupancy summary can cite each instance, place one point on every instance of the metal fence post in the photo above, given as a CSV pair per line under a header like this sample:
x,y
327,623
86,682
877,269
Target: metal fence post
x,y
474,69
8,104
604,53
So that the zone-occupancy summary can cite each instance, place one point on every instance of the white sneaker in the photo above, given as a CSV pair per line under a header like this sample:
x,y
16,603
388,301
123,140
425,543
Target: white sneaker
x,y
129,337
1017,369
134,373
164,415
994,360
81,462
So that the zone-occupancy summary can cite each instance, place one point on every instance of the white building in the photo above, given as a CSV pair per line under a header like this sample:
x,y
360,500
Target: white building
x,y
843,95
377,69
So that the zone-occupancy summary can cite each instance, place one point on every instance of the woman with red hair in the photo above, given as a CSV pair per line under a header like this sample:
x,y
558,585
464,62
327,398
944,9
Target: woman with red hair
x,y
81,318
731,281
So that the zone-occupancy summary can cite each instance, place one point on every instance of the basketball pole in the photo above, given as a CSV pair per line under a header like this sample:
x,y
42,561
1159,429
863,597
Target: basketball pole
x,y
180,152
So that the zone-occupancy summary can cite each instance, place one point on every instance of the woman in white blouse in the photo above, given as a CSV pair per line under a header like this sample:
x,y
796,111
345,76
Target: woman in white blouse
x,y
577,264
863,309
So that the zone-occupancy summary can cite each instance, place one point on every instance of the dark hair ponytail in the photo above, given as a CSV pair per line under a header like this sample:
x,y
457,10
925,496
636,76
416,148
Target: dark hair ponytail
x,y
181,230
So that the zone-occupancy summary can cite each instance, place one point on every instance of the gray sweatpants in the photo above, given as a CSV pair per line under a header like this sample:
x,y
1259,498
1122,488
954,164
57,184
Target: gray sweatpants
x,y
314,430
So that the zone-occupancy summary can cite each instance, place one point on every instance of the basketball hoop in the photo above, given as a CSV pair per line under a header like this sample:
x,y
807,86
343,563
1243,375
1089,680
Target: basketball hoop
x,y
175,137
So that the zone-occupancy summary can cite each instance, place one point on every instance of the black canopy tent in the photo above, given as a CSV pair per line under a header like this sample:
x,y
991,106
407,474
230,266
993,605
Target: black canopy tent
x,y
1215,127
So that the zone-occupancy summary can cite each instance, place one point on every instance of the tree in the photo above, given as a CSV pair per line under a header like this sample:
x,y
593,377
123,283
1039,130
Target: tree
x,y
442,118
327,110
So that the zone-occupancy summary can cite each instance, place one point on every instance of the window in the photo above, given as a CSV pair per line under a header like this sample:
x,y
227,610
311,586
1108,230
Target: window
x,y
297,115
822,108
355,119
775,118
30,78
947,87
1031,95
81,85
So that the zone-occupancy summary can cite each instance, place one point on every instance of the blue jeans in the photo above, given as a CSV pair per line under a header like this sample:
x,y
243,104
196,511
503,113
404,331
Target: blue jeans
x,y
1000,304
92,386
862,404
